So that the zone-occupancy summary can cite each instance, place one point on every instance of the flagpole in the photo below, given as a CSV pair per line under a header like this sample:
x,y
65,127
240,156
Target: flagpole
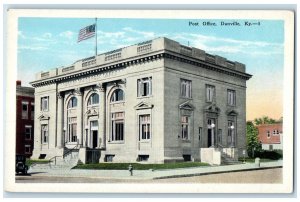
x,y
96,37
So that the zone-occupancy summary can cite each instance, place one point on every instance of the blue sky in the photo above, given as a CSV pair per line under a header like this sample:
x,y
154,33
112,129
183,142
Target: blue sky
x,y
46,43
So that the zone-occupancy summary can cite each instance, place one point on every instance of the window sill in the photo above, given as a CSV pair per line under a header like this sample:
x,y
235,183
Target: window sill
x,y
117,102
186,140
92,106
145,141
116,142
148,96
188,98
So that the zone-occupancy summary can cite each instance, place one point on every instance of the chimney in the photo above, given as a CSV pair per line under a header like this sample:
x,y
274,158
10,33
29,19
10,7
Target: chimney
x,y
19,82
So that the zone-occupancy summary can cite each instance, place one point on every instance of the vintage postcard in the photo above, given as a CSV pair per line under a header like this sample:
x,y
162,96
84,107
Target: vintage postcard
x,y
149,101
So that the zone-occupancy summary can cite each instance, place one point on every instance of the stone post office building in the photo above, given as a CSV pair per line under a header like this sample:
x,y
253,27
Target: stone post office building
x,y
156,101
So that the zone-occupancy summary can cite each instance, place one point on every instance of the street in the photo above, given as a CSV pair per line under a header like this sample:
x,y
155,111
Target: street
x,y
272,175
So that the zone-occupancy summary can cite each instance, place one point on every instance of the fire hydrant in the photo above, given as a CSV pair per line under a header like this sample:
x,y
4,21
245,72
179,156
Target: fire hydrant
x,y
130,169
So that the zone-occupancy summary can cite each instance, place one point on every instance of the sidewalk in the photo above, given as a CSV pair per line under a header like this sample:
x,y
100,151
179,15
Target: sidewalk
x,y
156,174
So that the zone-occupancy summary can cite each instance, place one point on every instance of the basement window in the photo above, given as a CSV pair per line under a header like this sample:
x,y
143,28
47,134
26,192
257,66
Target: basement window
x,y
143,157
109,158
187,157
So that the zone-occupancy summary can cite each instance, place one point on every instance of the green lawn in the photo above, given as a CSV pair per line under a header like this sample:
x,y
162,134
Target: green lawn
x,y
138,166
40,161
252,160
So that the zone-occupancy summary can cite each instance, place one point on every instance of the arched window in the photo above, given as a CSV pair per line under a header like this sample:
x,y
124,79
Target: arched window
x,y
93,99
118,95
72,102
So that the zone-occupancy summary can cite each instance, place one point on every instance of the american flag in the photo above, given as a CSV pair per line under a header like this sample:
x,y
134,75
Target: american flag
x,y
87,32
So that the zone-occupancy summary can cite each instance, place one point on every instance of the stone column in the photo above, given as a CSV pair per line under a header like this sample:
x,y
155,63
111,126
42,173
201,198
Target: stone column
x,y
79,116
60,115
102,117
212,137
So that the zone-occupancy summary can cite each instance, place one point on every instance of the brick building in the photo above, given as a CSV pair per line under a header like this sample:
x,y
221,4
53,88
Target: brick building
x,y
270,136
24,119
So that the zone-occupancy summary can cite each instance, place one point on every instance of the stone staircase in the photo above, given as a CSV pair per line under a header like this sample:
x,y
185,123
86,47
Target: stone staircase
x,y
228,160
66,162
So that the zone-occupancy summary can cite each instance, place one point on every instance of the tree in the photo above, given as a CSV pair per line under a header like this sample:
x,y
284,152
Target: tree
x,y
264,120
280,120
253,143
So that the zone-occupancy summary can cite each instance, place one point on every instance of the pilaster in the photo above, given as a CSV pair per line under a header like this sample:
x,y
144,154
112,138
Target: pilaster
x,y
60,115
102,115
78,94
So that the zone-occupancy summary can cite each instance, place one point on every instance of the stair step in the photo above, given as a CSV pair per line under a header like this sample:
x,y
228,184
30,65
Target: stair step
x,y
70,160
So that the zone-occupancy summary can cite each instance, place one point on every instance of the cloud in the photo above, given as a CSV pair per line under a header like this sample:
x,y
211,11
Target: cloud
x,y
143,33
220,45
47,35
111,34
32,48
44,37
21,35
67,34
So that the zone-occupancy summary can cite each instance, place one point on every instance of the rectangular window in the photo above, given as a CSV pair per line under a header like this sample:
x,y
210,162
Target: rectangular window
x,y
72,129
210,93
27,149
185,127
186,88
28,132
44,133
94,125
144,128
44,103
144,87
231,97
32,111
24,110
117,126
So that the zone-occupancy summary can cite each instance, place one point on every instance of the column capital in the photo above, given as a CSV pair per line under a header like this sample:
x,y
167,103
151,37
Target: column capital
x,y
59,95
77,91
100,87
123,81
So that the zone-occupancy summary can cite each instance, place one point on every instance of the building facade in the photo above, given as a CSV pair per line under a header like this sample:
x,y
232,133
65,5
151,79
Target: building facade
x,y
270,136
24,119
156,101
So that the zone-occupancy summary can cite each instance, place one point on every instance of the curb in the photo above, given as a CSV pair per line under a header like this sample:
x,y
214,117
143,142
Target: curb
x,y
215,172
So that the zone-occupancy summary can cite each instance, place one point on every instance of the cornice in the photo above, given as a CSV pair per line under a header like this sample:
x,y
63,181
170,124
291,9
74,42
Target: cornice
x,y
206,65
96,69
146,58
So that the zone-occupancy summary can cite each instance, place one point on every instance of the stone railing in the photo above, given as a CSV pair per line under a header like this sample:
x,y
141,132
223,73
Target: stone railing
x,y
186,50
113,55
88,63
144,48
45,74
66,69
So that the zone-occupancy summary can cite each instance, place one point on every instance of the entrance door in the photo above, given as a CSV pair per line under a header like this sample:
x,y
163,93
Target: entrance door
x,y
94,134
211,140
209,137
95,138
